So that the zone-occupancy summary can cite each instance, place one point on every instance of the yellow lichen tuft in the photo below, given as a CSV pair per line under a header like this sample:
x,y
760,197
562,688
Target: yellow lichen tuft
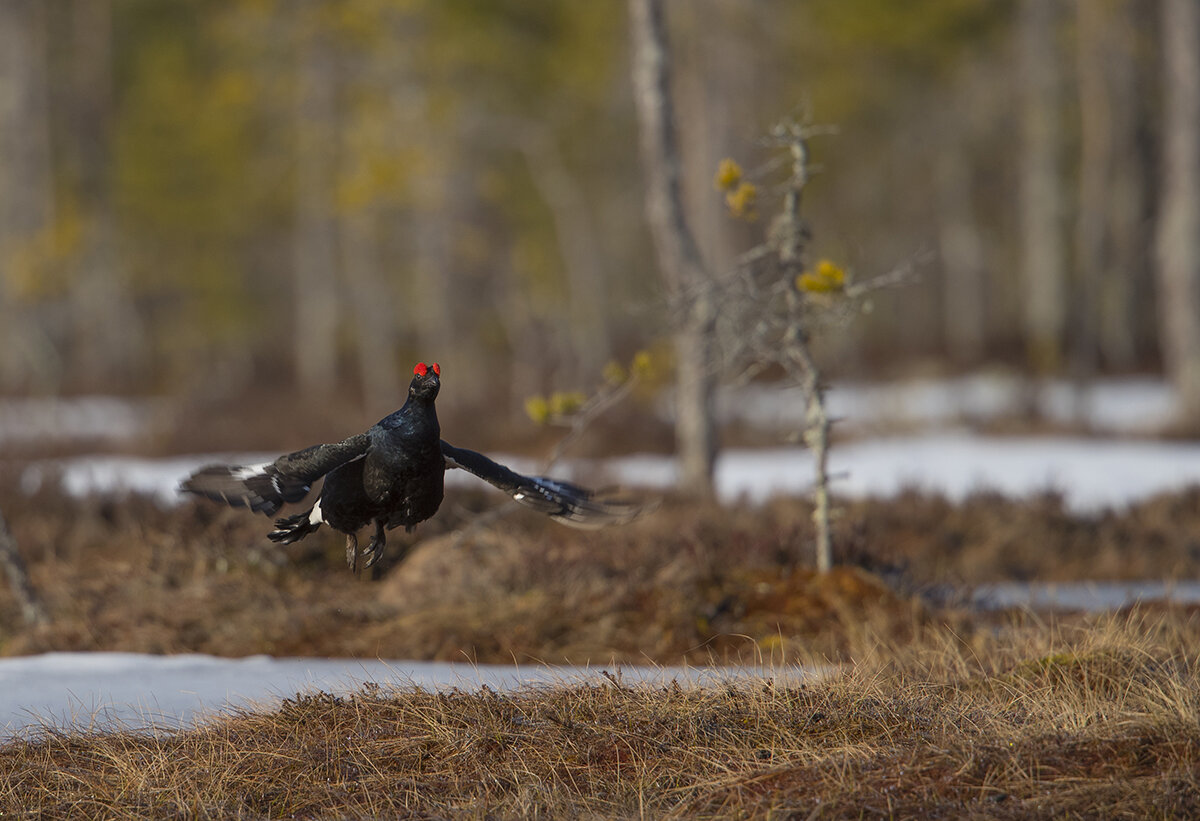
x,y
614,373
729,174
565,403
538,409
642,365
831,273
742,200
827,279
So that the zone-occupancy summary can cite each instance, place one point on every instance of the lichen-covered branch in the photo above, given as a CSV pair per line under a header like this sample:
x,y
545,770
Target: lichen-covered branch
x,y
774,302
684,274
18,578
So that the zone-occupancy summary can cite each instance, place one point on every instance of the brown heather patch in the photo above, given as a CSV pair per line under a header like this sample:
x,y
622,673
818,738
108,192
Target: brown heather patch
x,y
688,583
936,712
1100,722
988,537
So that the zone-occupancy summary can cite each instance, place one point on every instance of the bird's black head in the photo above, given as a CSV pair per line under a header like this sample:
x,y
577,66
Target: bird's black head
x,y
425,383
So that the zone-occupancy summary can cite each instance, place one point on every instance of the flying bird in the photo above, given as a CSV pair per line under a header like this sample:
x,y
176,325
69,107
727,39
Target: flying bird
x,y
392,475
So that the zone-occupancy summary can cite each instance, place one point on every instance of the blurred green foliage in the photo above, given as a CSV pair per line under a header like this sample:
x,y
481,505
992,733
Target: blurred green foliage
x,y
444,112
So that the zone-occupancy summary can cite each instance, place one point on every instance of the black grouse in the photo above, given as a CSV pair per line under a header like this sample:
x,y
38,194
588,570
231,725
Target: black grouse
x,y
391,475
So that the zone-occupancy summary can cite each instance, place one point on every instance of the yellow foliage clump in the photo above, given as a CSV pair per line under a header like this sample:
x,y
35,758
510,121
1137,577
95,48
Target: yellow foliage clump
x,y
614,373
642,365
827,279
729,174
538,409
543,410
647,369
740,196
39,267
741,201
566,403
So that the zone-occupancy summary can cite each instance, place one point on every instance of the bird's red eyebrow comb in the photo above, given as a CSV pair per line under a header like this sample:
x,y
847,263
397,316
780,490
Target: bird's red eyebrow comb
x,y
421,370
436,369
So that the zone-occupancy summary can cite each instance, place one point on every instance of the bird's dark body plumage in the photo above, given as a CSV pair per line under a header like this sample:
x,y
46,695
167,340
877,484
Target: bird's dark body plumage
x,y
390,476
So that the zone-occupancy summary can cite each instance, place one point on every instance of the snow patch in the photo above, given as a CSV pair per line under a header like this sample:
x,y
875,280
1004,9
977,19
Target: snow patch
x,y
1090,473
1125,406
136,691
54,419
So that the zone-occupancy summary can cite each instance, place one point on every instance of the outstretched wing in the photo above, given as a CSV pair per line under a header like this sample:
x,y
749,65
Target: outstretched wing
x,y
268,486
563,501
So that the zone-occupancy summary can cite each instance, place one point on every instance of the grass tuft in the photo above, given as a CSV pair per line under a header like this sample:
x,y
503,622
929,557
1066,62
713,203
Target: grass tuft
x,y
1102,721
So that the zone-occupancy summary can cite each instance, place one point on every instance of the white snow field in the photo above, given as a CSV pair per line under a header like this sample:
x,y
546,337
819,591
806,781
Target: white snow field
x,y
1090,473
1133,405
97,689
101,691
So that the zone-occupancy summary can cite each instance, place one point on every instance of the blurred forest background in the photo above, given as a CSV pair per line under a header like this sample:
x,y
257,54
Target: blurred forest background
x,y
211,199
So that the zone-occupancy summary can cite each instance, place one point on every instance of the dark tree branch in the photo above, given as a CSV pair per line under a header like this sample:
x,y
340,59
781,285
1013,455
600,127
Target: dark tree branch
x,y
18,578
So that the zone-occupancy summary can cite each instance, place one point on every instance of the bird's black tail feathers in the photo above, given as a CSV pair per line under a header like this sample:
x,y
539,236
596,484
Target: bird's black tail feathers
x,y
293,528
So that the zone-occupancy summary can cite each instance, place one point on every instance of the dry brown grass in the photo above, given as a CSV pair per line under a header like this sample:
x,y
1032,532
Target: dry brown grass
x,y
687,584
937,712
988,537
1098,721
690,583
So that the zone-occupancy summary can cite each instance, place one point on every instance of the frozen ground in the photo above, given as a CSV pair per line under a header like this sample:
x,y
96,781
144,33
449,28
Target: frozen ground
x,y
163,691
80,418
1088,596
1128,405
1121,406
131,690
1090,473
938,451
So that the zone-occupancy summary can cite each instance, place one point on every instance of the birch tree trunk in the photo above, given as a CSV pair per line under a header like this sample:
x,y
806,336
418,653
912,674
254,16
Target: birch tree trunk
x,y
962,254
109,348
577,245
1109,237
1178,241
1125,287
315,239
32,611
1095,169
680,265
27,208
1041,196
372,311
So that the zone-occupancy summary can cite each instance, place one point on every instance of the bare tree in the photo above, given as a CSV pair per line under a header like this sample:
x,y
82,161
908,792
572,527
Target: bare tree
x,y
315,239
1125,289
775,302
27,205
1111,203
960,242
1043,255
1109,240
18,577
371,306
683,272
109,347
1178,241
577,245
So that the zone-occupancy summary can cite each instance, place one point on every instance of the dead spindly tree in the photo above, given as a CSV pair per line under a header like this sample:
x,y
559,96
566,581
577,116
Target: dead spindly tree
x,y
18,578
1178,240
684,274
775,302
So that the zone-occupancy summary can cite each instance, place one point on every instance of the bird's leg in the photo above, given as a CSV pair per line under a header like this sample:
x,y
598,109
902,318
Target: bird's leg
x,y
352,551
378,542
